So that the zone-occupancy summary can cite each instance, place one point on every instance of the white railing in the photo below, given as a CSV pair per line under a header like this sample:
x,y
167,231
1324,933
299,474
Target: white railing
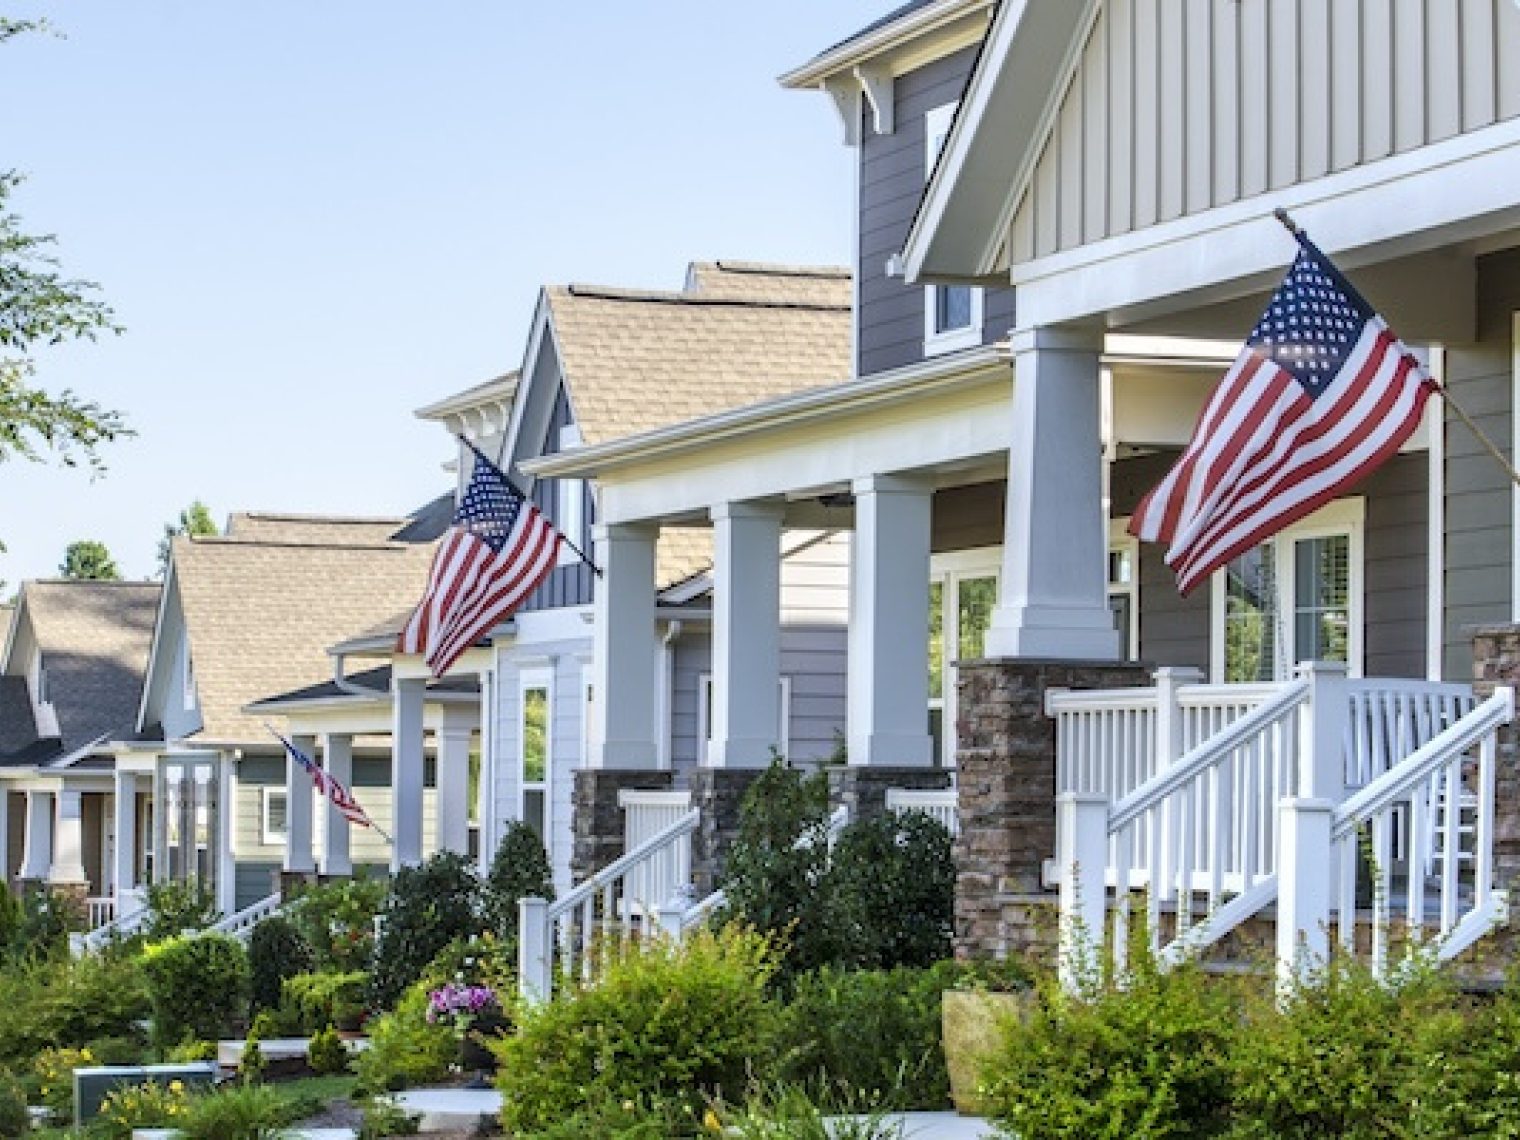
x,y
130,913
569,937
646,814
939,804
99,911
241,923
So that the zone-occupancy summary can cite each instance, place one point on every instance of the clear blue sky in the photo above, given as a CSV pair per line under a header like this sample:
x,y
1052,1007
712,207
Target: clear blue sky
x,y
314,217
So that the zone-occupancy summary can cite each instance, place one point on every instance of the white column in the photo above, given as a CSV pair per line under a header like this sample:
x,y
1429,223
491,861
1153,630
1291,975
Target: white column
x,y
124,857
298,813
626,650
888,714
338,763
224,825
746,638
37,856
1054,596
454,734
488,765
5,837
407,773
68,838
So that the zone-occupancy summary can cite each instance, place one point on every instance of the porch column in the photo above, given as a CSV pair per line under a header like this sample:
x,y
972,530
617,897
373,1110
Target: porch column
x,y
453,808
888,667
298,813
406,771
338,763
1054,596
626,651
746,637
68,839
37,856
124,857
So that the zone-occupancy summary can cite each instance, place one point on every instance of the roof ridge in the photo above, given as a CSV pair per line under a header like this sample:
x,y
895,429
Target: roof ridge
x,y
664,297
297,516
232,541
783,269
92,582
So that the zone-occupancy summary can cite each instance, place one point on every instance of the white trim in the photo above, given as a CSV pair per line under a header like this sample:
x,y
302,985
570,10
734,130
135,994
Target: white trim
x,y
570,502
1120,541
537,677
949,570
1435,554
269,836
1341,517
937,125
704,717
862,47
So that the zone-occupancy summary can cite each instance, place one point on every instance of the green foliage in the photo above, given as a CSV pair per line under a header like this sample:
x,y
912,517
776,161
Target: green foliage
x,y
176,907
383,1119
338,921
54,1070
775,870
193,520
428,907
404,1047
67,1002
276,951
252,1063
14,1120
891,883
188,1051
667,1024
88,560
791,1113
519,870
312,1001
149,1105
247,1112
47,917
12,918
326,1054
198,986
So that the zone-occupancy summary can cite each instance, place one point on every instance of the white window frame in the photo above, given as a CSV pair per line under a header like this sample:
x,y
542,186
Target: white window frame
x,y
570,504
1120,541
271,837
1342,517
949,569
540,677
705,717
936,341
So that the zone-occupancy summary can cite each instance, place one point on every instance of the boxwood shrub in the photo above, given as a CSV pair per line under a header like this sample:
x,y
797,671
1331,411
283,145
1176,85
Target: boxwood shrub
x,y
198,987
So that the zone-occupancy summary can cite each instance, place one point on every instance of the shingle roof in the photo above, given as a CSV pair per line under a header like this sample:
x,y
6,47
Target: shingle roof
x,y
890,18
635,361
753,280
323,530
94,638
17,726
261,614
378,680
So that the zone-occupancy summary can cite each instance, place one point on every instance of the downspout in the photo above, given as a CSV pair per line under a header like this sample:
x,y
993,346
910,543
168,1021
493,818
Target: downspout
x,y
666,697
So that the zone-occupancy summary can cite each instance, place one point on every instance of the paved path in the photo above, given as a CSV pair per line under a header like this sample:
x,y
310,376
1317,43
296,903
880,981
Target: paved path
x,y
943,1126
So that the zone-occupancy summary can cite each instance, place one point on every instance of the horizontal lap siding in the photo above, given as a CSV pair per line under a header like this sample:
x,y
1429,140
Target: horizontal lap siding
x,y
1178,106
1396,572
815,607
1173,630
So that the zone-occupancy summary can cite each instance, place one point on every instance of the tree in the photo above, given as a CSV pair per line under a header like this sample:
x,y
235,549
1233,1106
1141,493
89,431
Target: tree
x,y
194,519
89,560
39,307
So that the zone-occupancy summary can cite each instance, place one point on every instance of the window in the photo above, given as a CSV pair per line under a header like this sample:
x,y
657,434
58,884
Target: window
x,y
964,584
570,507
952,313
1296,597
533,751
705,717
1124,587
273,814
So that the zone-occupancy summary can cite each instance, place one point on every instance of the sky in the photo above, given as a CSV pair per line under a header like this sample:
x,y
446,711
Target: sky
x,y
313,218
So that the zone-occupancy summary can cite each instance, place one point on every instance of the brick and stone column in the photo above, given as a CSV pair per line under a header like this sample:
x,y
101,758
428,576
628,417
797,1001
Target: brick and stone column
x,y
597,817
1496,661
863,789
718,793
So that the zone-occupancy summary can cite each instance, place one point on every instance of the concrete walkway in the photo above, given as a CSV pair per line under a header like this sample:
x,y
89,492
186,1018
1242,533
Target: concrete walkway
x,y
942,1126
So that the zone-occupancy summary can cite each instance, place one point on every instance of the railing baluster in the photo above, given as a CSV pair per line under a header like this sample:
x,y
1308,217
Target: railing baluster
x,y
1483,825
1450,860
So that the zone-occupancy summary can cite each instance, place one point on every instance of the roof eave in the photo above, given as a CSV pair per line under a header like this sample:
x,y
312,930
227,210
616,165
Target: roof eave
x,y
853,52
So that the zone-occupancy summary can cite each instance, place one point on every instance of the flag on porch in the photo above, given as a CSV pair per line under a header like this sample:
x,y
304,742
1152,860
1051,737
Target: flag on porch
x,y
333,789
499,548
1322,393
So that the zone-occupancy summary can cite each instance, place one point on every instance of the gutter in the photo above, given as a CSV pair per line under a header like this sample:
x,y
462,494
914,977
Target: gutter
x,y
861,48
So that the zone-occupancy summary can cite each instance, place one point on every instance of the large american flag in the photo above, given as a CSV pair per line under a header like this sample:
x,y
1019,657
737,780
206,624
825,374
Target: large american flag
x,y
1322,393
333,789
499,548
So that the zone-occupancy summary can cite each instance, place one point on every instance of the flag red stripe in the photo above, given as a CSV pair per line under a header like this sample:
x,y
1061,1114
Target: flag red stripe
x,y
500,595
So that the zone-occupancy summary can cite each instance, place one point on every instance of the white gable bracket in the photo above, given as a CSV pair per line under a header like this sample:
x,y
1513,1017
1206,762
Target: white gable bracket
x,y
846,96
877,84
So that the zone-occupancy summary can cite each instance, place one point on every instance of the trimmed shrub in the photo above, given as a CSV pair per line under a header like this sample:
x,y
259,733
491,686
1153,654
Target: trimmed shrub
x,y
276,951
891,883
312,1001
670,1025
198,987
140,1106
337,920
428,907
326,1053
176,907
47,917
405,1048
68,1002
519,870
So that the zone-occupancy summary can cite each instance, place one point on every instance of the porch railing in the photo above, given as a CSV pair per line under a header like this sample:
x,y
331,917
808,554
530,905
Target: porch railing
x,y
940,804
99,911
129,913
240,924
645,815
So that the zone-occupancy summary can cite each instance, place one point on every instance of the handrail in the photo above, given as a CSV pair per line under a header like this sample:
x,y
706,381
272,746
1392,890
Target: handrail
x,y
1238,732
698,911
616,869
240,923
1396,783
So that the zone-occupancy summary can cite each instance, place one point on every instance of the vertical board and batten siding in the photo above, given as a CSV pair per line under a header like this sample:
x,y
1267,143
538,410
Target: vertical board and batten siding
x,y
1178,106
571,583
890,319
1479,532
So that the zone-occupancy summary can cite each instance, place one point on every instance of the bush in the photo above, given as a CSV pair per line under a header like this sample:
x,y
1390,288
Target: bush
x,y
405,1048
176,907
326,1053
47,917
68,1002
519,870
198,987
667,1024
249,1112
311,1001
148,1105
54,1069
188,1051
276,951
891,883
383,1119
338,921
14,1120
428,907
775,870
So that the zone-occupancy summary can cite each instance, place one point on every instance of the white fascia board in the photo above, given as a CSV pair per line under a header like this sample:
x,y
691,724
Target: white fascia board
x,y
497,392
861,49
1452,191
476,659
11,632
540,334
812,405
155,650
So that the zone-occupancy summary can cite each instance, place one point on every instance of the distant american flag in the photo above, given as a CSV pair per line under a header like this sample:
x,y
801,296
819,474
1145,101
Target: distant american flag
x,y
1322,393
341,797
499,548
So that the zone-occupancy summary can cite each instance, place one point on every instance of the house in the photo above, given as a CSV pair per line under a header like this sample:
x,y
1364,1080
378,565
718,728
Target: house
x,y
71,674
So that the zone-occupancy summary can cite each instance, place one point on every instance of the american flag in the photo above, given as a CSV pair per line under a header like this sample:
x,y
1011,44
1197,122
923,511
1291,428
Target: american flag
x,y
499,548
341,797
1322,393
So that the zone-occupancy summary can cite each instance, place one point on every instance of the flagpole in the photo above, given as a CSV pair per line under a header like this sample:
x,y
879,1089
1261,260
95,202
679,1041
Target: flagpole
x,y
1500,458
372,825
576,550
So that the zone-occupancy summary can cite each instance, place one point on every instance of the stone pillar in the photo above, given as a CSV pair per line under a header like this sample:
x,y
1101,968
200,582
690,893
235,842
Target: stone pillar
x,y
454,781
1053,601
888,719
597,818
67,868
37,855
1006,779
718,794
124,868
746,636
625,649
862,790
1496,661
407,771
298,810
338,762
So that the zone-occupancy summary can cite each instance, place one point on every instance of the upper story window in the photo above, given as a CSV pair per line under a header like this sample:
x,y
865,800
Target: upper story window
x,y
570,507
952,313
